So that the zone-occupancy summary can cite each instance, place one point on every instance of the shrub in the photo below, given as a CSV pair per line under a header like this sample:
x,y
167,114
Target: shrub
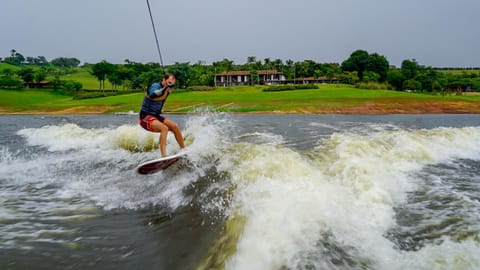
x,y
373,86
412,85
11,83
71,87
288,87
90,94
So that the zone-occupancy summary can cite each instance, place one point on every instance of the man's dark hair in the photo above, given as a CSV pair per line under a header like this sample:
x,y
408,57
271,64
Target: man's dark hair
x,y
168,75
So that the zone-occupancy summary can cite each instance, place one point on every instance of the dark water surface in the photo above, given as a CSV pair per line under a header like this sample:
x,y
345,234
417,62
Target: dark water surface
x,y
258,192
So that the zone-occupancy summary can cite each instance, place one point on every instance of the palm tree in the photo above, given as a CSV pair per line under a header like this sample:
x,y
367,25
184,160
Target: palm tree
x,y
13,52
267,63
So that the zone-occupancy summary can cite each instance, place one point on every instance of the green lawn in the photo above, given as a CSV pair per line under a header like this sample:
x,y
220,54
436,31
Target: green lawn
x,y
21,100
326,99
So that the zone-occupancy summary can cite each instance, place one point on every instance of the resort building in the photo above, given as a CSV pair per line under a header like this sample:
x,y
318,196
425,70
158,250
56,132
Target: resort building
x,y
42,84
234,78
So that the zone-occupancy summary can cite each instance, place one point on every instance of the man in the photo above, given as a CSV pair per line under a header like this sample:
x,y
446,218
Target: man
x,y
150,118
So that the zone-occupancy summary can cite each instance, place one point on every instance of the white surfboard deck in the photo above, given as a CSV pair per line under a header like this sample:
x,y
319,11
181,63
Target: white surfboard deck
x,y
156,165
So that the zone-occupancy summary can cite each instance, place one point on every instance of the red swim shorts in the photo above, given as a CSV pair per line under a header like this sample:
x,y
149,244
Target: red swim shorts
x,y
147,121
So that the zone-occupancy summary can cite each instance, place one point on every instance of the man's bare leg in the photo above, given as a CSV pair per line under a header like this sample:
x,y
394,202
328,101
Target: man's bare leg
x,y
163,129
176,131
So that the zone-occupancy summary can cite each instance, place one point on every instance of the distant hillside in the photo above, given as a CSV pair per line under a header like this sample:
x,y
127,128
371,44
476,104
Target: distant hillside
x,y
4,66
460,71
87,80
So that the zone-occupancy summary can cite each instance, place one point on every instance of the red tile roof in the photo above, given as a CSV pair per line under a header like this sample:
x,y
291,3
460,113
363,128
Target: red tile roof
x,y
246,72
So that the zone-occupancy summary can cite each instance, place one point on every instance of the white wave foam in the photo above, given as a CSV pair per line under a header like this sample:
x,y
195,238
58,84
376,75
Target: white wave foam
x,y
447,255
101,169
71,137
348,190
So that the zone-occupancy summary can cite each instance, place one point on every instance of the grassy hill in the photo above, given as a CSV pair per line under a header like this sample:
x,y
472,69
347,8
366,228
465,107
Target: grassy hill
x,y
4,66
86,79
81,75
326,99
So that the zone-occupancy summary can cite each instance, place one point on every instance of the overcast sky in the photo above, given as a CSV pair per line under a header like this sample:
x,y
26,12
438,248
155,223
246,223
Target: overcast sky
x,y
435,32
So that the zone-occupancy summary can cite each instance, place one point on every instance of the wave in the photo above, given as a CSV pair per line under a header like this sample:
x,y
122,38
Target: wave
x,y
327,207
342,194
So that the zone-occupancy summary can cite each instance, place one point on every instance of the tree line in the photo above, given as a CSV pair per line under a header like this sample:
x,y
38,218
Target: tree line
x,y
34,70
361,68
17,59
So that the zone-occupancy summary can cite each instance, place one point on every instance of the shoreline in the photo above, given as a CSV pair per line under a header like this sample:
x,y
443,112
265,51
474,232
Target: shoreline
x,y
331,100
368,109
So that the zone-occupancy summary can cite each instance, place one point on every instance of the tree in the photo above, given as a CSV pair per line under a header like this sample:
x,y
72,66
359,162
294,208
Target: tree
x,y
71,87
305,68
251,60
100,71
357,61
16,59
409,69
201,74
182,73
10,82
349,77
113,77
277,64
254,77
65,62
30,60
224,65
267,63
147,78
371,76
7,72
39,76
8,79
395,78
378,64
56,83
328,69
412,85
428,78
118,75
27,74
41,61
361,61
289,69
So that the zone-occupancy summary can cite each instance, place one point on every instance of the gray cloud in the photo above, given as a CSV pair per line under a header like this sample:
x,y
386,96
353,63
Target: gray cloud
x,y
435,32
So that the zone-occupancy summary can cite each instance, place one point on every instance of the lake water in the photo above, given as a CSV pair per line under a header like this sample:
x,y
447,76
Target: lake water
x,y
258,192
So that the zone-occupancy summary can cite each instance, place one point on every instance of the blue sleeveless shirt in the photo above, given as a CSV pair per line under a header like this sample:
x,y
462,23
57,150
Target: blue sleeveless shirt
x,y
154,100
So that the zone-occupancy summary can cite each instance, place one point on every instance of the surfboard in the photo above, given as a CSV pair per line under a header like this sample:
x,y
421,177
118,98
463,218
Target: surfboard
x,y
156,165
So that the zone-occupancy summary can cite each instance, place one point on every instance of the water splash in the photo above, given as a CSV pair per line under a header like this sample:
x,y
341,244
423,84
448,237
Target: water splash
x,y
330,207
347,188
